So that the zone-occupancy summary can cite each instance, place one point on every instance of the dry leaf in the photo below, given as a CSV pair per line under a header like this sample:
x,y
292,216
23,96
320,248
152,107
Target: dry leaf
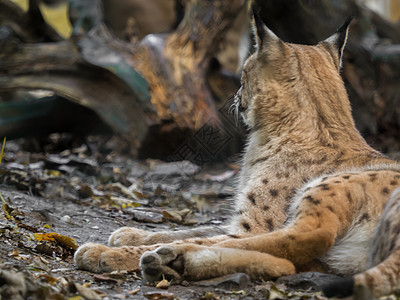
x,y
87,293
159,295
63,240
172,216
48,278
163,284
98,277
7,211
133,292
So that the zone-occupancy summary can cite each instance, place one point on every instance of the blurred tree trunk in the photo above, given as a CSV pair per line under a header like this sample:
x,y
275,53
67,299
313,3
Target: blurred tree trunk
x,y
170,99
164,93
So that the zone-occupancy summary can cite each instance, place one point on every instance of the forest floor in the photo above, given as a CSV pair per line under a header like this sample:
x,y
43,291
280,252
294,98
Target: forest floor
x,y
66,195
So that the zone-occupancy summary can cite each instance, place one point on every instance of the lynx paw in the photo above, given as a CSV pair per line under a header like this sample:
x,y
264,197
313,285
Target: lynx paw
x,y
166,260
98,258
127,236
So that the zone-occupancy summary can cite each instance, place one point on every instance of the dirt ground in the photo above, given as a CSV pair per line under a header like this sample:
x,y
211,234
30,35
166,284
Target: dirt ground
x,y
72,193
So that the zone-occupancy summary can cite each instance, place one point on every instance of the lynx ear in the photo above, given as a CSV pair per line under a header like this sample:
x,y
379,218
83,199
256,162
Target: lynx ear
x,y
265,36
338,40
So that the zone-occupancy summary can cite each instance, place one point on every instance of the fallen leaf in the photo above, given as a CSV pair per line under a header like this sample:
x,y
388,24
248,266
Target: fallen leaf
x,y
124,201
102,278
241,292
43,260
223,176
38,265
13,253
63,240
172,216
48,278
47,248
27,227
53,173
87,293
78,297
210,295
7,211
163,284
133,292
2,150
159,295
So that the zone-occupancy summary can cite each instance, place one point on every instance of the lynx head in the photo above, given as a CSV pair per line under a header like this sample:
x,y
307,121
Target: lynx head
x,y
287,84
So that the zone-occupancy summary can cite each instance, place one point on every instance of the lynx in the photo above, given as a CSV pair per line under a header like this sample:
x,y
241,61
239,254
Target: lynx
x,y
312,195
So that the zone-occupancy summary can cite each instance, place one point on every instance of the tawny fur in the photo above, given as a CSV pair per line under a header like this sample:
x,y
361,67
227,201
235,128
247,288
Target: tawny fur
x,y
311,192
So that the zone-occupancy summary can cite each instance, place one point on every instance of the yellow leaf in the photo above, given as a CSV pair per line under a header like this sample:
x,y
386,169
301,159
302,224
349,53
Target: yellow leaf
x,y
7,210
53,173
48,278
46,226
63,240
67,241
2,150
44,236
76,298
13,253
163,284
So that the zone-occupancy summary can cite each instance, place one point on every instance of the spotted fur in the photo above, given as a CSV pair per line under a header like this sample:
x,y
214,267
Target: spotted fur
x,y
312,195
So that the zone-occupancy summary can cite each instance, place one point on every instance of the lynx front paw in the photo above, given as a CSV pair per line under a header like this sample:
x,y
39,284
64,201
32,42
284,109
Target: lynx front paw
x,y
100,259
127,236
166,260
87,257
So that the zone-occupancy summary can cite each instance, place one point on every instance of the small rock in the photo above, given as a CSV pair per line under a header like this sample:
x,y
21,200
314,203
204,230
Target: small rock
x,y
307,280
185,283
179,168
146,216
229,282
85,191
66,219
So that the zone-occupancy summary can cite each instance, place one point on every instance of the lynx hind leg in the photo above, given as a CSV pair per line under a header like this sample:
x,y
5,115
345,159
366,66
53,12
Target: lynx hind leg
x,y
193,262
130,236
383,276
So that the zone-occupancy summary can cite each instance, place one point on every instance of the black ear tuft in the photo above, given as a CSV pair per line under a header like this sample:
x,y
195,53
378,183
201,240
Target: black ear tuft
x,y
342,33
258,22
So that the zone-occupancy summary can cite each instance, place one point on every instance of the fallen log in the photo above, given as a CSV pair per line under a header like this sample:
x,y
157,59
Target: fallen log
x,y
170,97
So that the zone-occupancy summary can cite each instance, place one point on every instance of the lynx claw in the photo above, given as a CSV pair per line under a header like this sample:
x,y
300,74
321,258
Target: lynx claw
x,y
165,261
